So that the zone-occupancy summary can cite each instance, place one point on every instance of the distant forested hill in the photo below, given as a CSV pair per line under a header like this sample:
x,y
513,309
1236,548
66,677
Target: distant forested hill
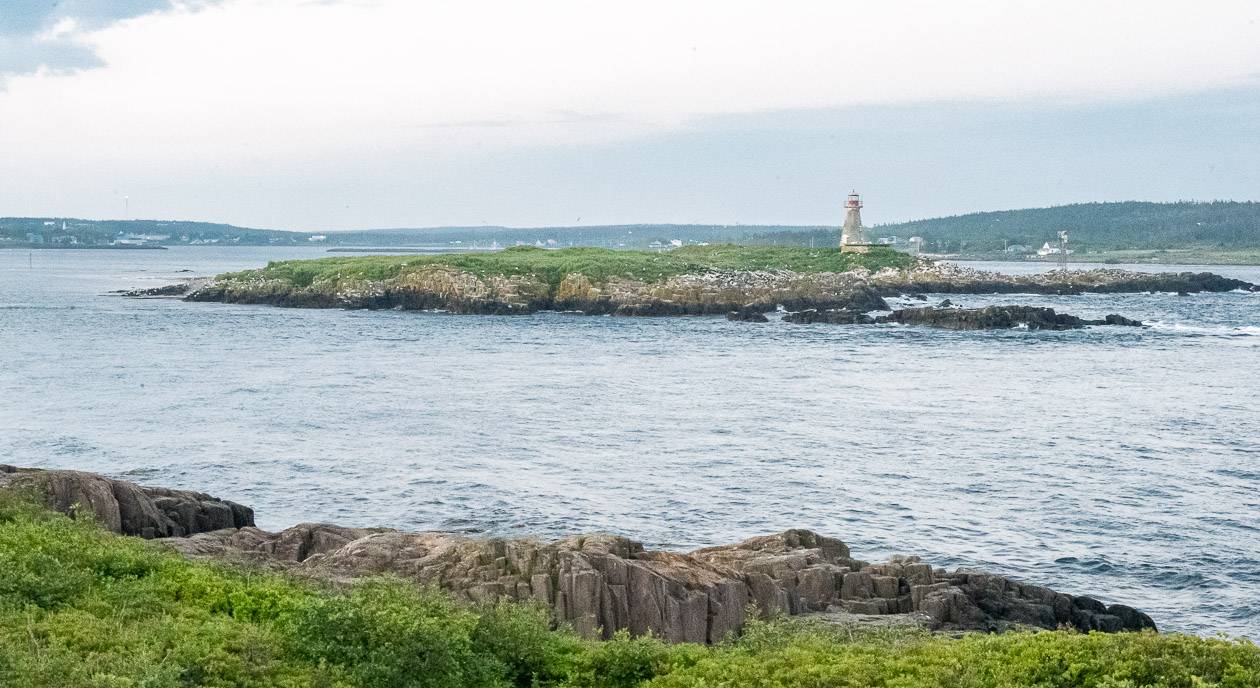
x,y
1224,225
1101,226
74,231
1219,226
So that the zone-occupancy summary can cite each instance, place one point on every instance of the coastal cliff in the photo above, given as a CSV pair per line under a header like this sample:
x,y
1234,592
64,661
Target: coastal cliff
x,y
599,584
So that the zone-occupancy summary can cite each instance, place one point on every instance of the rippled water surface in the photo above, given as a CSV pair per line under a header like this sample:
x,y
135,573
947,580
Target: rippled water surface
x,y
1117,462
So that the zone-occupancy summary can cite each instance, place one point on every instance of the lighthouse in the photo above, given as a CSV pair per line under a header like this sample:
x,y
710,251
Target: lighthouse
x,y
852,237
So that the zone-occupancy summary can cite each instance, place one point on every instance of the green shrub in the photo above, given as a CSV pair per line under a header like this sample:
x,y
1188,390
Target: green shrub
x,y
83,608
817,657
385,633
597,264
521,638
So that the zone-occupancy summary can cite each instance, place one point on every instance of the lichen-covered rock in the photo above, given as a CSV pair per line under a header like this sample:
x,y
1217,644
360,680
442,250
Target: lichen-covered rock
x,y
597,583
124,507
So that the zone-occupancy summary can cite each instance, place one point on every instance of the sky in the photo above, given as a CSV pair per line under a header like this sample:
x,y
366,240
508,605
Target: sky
x,y
345,114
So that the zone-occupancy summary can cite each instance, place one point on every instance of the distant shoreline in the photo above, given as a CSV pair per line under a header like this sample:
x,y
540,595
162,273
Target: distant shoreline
x,y
413,249
1129,257
69,247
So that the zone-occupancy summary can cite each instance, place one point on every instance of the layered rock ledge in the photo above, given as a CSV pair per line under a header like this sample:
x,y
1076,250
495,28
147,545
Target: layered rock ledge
x,y
446,288
598,583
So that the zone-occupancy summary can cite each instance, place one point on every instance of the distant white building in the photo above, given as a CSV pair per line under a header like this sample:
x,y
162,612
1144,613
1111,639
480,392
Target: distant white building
x,y
676,243
317,237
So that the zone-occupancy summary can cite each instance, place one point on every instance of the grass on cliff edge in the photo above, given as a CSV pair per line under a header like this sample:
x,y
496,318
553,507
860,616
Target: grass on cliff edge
x,y
83,607
598,264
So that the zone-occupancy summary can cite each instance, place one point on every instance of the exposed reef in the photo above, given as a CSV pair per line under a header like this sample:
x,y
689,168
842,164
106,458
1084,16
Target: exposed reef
x,y
997,317
598,583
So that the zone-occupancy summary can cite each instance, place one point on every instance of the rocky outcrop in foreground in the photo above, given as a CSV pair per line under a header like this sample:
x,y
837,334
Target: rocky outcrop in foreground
x,y
127,508
741,293
603,583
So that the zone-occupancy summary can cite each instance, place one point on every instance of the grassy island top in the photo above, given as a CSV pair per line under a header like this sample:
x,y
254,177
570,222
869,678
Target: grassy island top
x,y
597,264
80,607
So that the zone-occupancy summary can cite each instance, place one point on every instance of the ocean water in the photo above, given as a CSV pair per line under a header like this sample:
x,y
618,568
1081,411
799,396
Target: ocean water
x,y
1118,462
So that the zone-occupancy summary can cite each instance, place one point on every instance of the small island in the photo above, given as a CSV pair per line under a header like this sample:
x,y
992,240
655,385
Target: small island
x,y
692,280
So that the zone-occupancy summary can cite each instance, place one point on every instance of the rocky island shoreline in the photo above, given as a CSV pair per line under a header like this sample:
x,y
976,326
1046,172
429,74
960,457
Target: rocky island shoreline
x,y
689,281
597,583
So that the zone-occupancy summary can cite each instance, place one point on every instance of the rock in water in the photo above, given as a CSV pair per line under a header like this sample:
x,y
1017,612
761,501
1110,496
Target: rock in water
x,y
180,289
1114,319
748,314
996,317
837,316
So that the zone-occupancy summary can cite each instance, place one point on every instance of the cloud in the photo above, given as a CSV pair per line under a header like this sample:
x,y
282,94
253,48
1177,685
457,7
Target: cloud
x,y
269,92
29,54
49,34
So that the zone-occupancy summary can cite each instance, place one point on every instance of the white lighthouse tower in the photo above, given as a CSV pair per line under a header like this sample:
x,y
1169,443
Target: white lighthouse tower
x,y
852,236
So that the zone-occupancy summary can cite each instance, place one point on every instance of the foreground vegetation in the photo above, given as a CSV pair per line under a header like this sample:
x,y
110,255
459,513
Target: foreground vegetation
x,y
597,264
82,607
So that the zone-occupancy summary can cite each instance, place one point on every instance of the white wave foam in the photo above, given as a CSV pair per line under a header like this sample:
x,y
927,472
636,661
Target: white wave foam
x,y
1219,331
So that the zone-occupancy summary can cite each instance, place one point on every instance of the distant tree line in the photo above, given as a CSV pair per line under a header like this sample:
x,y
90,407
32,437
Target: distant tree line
x,y
1095,226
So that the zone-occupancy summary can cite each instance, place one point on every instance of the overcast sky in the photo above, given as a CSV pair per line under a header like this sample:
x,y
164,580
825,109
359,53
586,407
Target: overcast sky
x,y
325,114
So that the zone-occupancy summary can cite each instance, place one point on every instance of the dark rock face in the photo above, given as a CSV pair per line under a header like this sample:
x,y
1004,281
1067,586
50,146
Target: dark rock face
x,y
1114,319
997,317
949,279
747,315
127,508
1000,603
598,583
839,316
864,300
987,318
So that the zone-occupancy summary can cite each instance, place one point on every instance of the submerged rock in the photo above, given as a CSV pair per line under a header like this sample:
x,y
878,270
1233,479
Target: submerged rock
x,y
598,583
748,315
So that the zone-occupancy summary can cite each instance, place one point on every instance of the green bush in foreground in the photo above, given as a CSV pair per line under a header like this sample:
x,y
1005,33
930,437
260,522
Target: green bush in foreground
x,y
82,607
